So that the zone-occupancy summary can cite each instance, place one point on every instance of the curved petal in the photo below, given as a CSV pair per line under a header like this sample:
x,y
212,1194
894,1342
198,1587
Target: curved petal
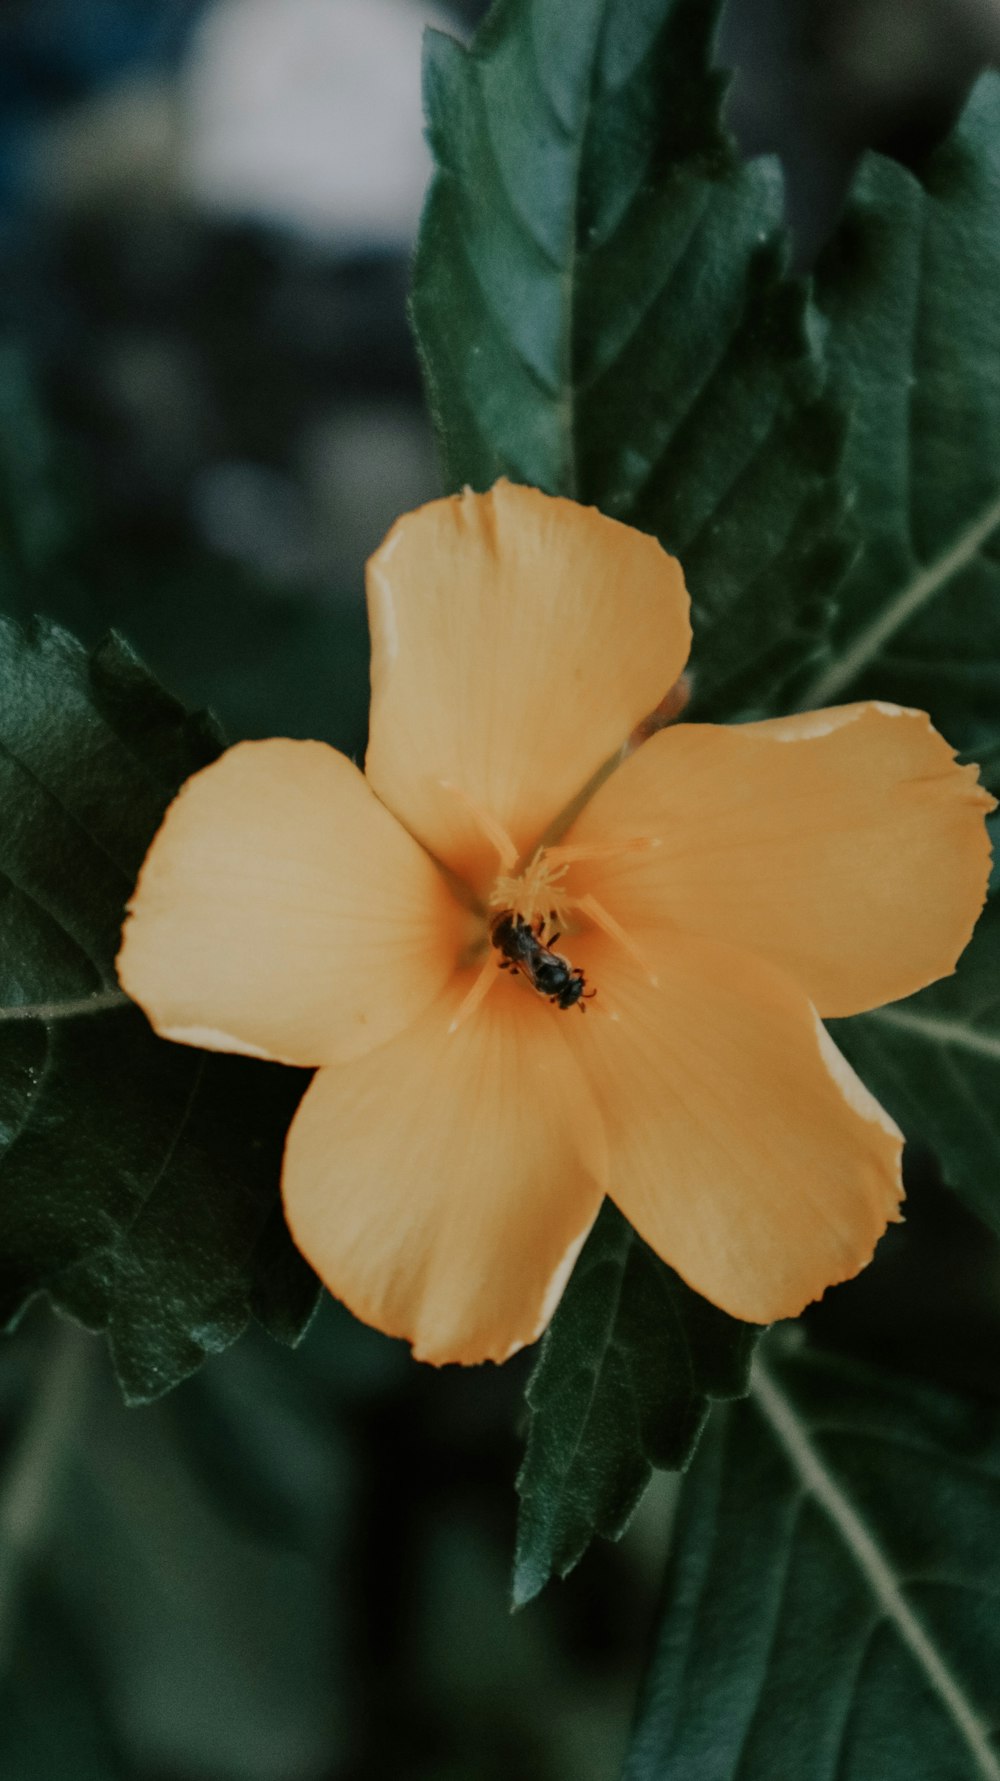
x,y
847,846
517,640
443,1185
742,1147
283,912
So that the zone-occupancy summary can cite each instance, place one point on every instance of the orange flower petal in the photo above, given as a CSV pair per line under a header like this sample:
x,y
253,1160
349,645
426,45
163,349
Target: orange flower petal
x,y
742,1147
517,641
846,846
283,912
443,1185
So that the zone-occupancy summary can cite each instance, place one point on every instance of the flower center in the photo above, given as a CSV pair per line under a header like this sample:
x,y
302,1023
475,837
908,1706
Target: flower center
x,y
537,893
531,907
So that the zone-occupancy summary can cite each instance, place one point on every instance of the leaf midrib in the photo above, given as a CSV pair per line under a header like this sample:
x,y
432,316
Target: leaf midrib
x,y
818,1481
99,1003
935,1030
911,599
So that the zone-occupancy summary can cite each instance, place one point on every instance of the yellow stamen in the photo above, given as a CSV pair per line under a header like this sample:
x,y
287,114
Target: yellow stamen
x,y
534,892
600,917
488,826
477,994
561,857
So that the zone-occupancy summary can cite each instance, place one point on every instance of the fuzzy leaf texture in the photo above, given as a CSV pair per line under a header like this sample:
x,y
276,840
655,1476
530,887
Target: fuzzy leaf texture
x,y
140,1177
832,1605
909,286
601,310
622,1383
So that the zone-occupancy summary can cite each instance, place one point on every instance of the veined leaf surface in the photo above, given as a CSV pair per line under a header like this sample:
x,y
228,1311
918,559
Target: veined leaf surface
x,y
140,1178
601,309
908,287
832,1606
623,1382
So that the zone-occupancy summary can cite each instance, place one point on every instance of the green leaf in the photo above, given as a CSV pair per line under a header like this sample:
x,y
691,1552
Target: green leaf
x,y
622,1383
140,1178
909,289
832,1607
934,1063
602,311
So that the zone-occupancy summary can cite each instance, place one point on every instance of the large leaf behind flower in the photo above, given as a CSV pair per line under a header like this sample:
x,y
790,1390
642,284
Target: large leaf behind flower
x,y
139,1177
601,311
832,1606
910,285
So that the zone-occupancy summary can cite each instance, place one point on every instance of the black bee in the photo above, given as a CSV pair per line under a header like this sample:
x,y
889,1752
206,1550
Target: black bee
x,y
548,972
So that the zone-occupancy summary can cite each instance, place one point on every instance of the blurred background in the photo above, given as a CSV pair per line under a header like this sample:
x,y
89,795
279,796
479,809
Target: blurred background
x,y
296,1567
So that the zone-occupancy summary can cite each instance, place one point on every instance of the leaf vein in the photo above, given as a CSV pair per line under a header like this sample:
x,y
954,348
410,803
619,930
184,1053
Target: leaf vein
x,y
807,1463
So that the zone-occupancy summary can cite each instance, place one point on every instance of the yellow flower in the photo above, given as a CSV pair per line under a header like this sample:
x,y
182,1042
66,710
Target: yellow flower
x,y
717,893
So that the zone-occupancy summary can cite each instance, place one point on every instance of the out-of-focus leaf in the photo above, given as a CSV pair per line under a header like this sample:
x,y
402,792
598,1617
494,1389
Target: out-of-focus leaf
x,y
832,1607
909,290
602,311
140,1178
52,1722
622,1383
40,510
220,1640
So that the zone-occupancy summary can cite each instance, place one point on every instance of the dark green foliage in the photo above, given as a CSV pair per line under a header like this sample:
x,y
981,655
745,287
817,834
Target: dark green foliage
x,y
831,1606
909,289
622,1384
909,286
602,311
140,1178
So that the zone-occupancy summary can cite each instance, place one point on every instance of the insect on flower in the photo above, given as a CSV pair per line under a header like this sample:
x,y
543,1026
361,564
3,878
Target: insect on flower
x,y
720,890
526,949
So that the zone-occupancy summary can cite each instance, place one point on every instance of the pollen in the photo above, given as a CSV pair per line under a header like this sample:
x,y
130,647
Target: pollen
x,y
537,893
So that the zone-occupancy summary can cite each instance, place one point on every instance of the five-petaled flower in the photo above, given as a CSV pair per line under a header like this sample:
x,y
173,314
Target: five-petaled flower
x,y
720,890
